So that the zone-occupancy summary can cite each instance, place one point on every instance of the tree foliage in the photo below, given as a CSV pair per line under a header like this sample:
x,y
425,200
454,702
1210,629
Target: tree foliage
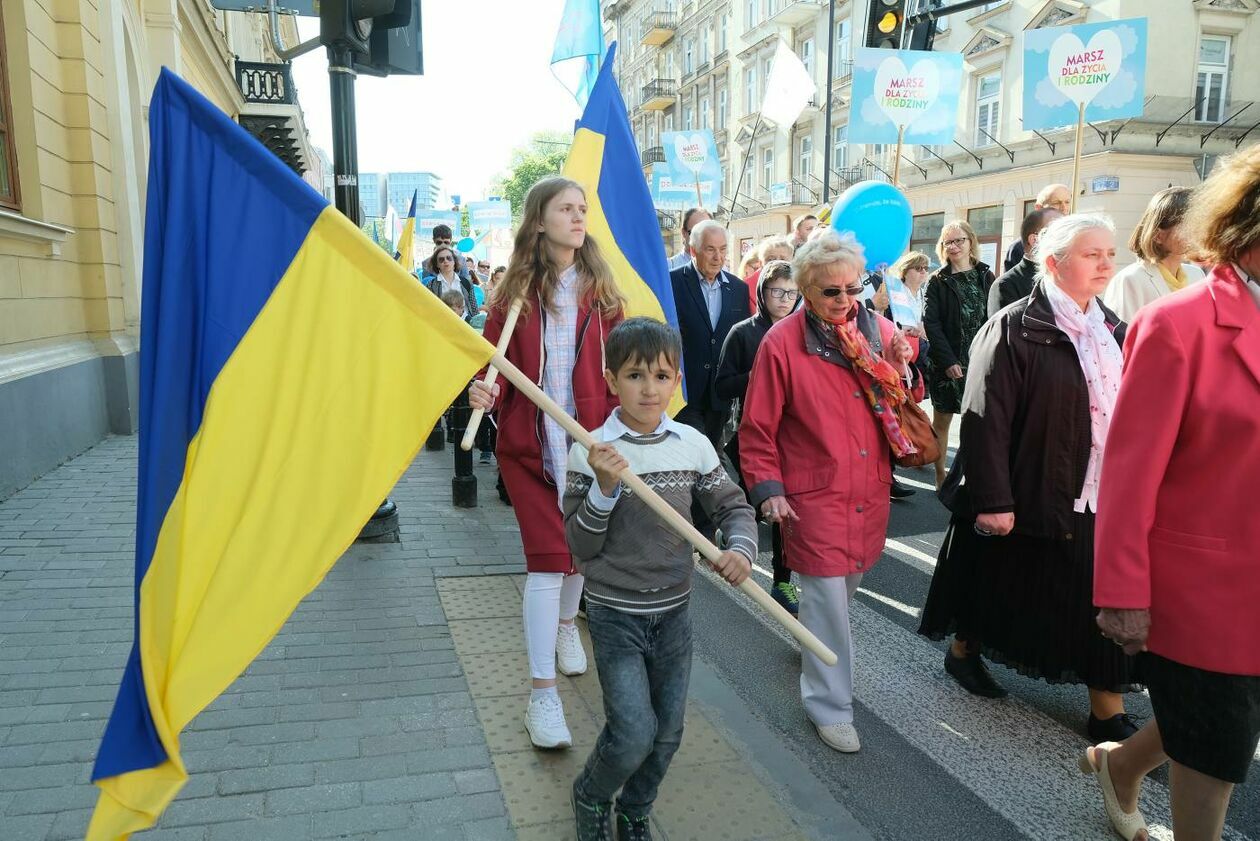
x,y
542,156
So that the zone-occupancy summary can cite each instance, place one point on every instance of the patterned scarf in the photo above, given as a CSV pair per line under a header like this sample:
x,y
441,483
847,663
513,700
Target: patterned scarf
x,y
1101,361
876,375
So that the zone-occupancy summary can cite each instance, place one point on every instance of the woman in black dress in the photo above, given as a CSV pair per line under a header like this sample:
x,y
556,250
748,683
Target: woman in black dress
x,y
954,311
1015,575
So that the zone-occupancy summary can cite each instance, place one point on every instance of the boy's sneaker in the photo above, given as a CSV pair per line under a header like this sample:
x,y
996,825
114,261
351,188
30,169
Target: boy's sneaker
x,y
570,656
633,829
785,594
544,721
594,820
841,737
485,457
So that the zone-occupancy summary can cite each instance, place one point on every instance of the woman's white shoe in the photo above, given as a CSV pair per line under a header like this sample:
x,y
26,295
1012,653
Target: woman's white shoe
x,y
1128,825
544,721
841,737
570,656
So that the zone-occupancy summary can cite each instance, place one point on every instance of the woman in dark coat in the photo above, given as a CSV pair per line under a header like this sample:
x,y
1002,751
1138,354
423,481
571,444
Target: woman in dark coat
x,y
1015,575
955,308
570,303
777,297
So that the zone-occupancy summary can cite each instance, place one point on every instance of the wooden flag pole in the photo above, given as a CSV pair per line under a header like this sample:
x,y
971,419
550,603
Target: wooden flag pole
x,y
662,508
901,133
1076,160
474,420
699,200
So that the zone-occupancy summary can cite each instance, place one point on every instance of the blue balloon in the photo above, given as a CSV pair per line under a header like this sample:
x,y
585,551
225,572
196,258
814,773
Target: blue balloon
x,y
465,245
879,217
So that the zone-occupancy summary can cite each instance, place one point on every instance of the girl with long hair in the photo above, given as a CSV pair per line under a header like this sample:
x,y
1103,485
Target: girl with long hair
x,y
569,303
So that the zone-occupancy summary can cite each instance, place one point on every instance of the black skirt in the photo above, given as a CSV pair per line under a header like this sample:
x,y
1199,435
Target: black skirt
x,y
1027,603
1208,721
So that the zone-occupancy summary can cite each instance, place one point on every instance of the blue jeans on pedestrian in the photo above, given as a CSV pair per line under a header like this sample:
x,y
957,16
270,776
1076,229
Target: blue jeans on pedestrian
x,y
644,667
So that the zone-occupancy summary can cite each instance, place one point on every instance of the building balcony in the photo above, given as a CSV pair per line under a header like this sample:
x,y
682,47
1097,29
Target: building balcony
x,y
271,112
843,71
653,155
797,12
658,28
658,95
666,221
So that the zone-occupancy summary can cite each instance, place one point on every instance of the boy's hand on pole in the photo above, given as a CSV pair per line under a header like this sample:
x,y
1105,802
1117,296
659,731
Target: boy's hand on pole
x,y
607,464
732,566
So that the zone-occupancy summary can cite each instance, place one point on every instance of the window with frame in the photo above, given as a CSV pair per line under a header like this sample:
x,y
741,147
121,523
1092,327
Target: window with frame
x,y
1211,85
721,114
723,32
807,55
669,64
766,63
688,58
987,223
750,89
767,167
924,233
1029,206
750,13
844,47
805,157
651,133
10,195
706,114
839,147
706,38
687,126
988,108
669,122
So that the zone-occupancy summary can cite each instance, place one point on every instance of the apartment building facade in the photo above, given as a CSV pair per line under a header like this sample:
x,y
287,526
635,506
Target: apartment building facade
x,y
704,64
75,82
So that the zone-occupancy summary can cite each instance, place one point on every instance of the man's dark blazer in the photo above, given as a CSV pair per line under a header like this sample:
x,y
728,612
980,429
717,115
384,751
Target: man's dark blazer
x,y
702,344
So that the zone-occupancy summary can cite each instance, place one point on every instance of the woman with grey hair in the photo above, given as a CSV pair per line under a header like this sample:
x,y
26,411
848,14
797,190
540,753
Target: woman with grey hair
x,y
815,446
1015,576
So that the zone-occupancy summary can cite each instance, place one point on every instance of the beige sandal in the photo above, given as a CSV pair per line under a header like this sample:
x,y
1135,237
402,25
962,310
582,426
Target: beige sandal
x,y
1128,825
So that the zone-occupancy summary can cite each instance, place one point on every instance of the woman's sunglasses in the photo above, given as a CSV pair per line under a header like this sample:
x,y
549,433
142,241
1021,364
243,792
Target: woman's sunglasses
x,y
834,291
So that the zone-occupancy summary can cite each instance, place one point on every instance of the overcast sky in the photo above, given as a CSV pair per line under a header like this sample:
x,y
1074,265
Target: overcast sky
x,y
487,87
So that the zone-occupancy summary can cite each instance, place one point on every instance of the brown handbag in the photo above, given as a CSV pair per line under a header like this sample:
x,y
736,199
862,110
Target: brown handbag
x,y
916,426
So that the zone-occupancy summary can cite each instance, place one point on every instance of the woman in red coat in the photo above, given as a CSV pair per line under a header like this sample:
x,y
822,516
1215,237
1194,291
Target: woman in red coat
x,y
815,441
570,303
1177,569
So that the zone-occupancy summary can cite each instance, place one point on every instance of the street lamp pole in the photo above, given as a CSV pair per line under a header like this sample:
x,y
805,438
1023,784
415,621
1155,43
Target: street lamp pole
x,y
829,145
341,74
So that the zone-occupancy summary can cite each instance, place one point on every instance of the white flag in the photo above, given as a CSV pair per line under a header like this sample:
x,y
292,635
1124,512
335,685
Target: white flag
x,y
789,88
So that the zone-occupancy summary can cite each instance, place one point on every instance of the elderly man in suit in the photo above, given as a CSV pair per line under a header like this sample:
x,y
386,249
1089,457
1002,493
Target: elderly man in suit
x,y
709,301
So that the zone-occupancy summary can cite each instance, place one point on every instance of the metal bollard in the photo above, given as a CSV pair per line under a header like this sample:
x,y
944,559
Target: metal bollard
x,y
464,484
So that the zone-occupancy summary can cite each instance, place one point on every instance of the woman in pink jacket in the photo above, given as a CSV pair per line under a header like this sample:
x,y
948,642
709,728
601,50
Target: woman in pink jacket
x,y
1177,569
815,442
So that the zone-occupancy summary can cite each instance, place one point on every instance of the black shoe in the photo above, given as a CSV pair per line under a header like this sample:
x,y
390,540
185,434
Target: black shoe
x,y
485,457
594,820
1115,729
900,491
973,675
633,829
582,605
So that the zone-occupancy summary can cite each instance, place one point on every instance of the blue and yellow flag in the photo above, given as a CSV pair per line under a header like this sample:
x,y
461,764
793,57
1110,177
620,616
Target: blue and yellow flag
x,y
406,253
269,429
620,216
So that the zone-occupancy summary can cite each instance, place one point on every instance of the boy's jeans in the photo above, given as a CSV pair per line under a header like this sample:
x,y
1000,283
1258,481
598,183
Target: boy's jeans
x,y
644,667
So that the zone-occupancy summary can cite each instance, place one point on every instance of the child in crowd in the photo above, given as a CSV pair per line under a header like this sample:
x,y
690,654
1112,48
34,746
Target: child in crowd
x,y
777,298
455,300
638,573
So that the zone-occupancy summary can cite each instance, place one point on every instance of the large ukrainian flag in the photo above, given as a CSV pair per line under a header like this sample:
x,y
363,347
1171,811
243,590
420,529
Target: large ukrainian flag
x,y
287,380
620,214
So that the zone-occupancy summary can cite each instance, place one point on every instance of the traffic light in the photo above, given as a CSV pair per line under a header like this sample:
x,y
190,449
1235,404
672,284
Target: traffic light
x,y
885,23
349,23
398,49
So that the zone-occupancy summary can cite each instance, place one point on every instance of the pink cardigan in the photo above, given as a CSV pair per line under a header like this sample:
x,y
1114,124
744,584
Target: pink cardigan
x,y
1179,508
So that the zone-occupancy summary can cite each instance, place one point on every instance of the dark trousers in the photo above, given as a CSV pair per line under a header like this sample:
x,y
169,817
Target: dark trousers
x,y
712,423
782,575
644,665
